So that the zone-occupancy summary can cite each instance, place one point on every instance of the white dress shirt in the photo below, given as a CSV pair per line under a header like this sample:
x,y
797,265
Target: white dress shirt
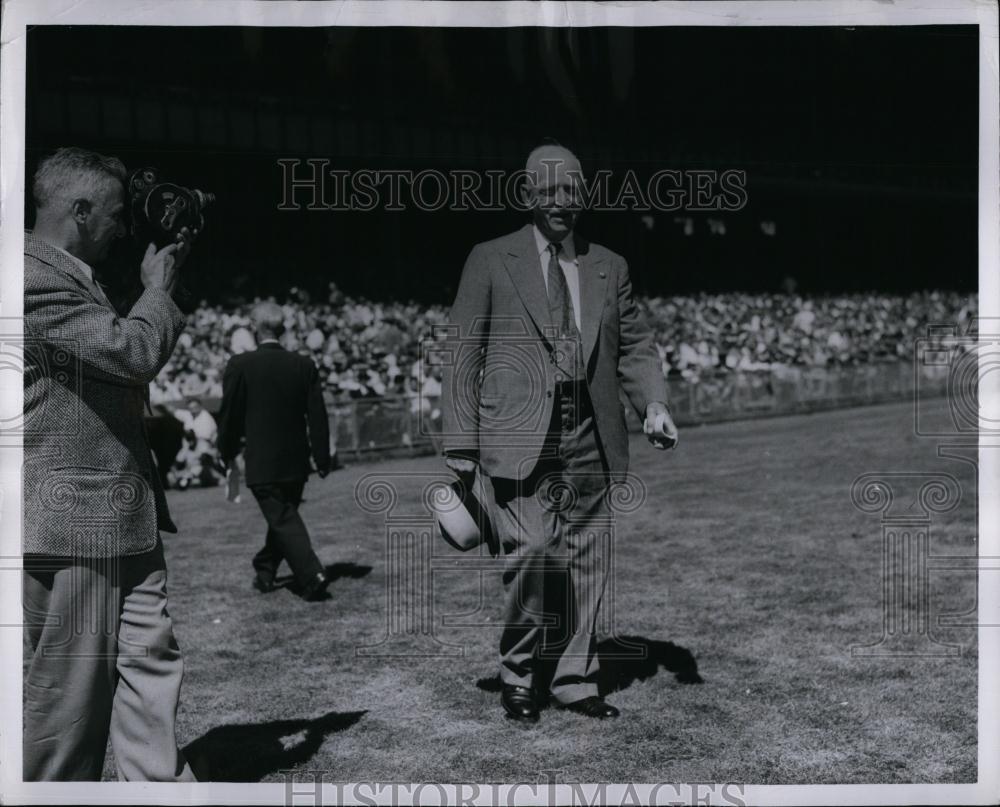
x,y
569,264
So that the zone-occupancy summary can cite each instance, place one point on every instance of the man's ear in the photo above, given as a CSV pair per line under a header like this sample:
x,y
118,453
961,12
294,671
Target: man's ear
x,y
81,210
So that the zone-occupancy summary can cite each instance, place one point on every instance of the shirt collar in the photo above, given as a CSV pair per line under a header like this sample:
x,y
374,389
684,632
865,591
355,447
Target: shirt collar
x,y
84,267
542,243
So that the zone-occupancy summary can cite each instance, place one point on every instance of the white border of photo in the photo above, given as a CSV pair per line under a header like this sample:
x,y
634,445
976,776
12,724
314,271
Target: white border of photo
x,y
18,14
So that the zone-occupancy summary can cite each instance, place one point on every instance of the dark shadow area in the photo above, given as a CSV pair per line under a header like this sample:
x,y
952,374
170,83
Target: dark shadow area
x,y
355,571
334,572
627,659
894,198
490,684
624,660
166,434
247,752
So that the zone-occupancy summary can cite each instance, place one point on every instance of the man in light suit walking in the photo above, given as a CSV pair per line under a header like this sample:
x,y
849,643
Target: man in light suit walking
x,y
544,333
100,652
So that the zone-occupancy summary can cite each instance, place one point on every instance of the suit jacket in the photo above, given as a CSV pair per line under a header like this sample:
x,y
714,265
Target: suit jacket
x,y
268,395
90,485
499,373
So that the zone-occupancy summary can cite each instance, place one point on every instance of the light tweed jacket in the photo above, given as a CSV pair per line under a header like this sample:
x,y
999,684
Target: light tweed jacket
x,y
499,365
90,485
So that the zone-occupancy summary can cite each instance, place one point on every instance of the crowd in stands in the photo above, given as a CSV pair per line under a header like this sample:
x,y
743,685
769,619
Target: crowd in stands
x,y
725,332
362,348
368,349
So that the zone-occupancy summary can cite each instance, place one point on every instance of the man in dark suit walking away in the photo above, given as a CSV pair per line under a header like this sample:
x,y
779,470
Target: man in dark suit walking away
x,y
545,333
269,397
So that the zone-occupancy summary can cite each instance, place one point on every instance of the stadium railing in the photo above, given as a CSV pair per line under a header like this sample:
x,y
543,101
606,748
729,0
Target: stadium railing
x,y
409,425
384,425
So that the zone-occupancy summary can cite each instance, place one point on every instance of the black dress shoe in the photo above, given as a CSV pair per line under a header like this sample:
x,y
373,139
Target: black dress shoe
x,y
592,707
519,703
315,589
262,585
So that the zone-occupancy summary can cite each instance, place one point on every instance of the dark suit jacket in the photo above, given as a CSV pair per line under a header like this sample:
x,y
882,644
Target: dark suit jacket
x,y
499,375
90,487
268,397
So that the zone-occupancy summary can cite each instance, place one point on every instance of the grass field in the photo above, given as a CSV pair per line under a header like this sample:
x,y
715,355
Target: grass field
x,y
748,562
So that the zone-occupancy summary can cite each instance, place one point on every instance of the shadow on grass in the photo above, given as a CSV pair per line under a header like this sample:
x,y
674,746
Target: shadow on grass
x,y
355,571
627,659
624,660
247,752
334,572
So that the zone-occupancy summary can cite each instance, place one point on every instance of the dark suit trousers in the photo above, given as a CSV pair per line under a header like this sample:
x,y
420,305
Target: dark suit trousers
x,y
287,537
100,659
554,527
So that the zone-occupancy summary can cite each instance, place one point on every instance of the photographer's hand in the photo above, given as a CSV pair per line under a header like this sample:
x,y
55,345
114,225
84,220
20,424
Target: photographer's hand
x,y
184,239
160,268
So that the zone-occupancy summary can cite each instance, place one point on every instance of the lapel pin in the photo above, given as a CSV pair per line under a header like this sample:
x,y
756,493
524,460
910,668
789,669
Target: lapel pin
x,y
602,274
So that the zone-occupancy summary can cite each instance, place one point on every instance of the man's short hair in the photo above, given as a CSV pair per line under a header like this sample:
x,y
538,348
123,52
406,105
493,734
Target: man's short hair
x,y
548,141
75,173
549,163
267,317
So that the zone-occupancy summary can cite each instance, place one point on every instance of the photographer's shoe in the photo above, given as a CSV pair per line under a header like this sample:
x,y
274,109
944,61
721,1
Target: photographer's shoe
x,y
519,703
263,585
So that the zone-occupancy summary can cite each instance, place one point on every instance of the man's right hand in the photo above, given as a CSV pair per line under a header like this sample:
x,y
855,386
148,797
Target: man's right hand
x,y
160,269
461,466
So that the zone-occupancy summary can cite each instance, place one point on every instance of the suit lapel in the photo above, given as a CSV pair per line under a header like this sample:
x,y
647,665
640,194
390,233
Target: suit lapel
x,y
593,295
526,273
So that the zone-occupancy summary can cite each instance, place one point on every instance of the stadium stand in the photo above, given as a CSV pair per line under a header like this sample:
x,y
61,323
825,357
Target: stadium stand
x,y
724,355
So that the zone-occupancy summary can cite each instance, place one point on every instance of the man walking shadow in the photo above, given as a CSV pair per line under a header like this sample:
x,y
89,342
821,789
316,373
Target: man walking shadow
x,y
269,397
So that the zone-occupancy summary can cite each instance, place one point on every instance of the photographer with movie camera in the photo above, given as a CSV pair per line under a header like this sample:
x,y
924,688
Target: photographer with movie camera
x,y
93,500
155,213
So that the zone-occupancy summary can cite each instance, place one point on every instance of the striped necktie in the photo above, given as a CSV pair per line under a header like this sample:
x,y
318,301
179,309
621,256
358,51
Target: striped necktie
x,y
560,303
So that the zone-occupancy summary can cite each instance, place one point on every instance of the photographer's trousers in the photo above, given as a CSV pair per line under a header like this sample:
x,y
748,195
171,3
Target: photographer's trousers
x,y
555,528
100,659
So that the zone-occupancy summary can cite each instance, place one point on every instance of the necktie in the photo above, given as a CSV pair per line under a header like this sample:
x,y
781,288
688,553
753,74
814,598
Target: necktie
x,y
561,313
560,304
